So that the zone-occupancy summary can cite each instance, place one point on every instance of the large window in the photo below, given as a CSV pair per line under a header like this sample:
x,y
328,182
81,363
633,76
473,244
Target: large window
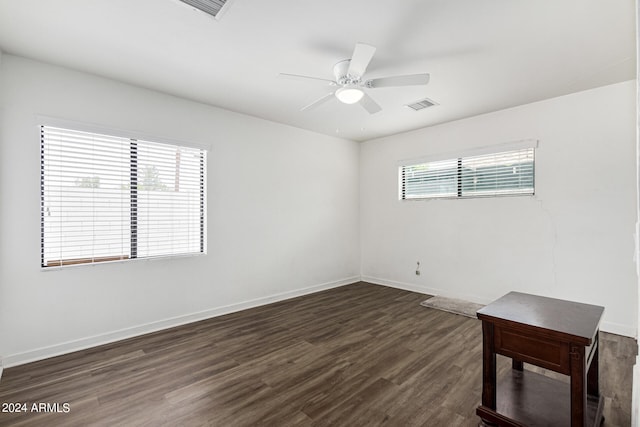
x,y
494,174
106,198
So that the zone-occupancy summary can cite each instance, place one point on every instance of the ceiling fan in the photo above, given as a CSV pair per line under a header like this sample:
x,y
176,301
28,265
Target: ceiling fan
x,y
351,84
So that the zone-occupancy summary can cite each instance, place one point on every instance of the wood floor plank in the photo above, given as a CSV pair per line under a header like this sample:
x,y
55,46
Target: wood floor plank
x,y
356,355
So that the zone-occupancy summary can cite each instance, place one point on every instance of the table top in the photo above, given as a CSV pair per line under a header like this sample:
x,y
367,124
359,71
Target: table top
x,y
572,320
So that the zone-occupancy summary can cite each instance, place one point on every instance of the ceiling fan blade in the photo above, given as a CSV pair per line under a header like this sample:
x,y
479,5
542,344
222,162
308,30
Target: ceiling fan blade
x,y
409,80
300,77
369,104
318,102
362,55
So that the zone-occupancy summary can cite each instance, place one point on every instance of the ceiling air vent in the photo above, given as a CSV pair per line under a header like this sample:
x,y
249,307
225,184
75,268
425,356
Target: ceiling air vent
x,y
212,7
422,104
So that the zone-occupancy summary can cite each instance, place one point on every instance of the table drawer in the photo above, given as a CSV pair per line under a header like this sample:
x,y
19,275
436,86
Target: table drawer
x,y
543,352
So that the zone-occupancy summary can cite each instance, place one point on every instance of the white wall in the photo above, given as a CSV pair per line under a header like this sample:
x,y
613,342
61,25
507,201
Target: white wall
x,y
574,239
292,223
635,395
282,216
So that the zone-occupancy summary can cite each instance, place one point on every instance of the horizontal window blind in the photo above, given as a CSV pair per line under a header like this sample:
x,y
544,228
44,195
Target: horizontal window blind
x,y
496,174
106,198
434,179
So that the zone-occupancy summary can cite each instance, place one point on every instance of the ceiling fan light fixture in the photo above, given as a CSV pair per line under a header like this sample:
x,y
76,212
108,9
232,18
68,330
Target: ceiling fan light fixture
x,y
349,94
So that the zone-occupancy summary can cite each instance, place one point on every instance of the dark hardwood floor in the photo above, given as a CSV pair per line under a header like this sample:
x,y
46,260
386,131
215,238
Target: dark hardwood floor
x,y
359,355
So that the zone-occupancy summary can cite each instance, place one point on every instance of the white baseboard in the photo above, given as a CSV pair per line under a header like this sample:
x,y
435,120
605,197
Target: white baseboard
x,y
109,337
93,341
425,289
618,329
611,327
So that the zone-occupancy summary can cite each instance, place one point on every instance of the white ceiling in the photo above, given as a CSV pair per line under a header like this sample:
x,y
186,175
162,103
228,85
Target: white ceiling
x,y
483,55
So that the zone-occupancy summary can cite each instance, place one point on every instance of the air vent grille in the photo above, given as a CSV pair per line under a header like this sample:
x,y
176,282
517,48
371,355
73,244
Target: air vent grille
x,y
422,104
212,7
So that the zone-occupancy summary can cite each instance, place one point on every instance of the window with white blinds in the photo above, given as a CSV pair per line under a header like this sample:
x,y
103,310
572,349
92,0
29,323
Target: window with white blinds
x,y
106,198
496,174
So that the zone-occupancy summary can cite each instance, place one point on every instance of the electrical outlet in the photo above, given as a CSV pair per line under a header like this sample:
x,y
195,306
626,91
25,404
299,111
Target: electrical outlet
x,y
418,269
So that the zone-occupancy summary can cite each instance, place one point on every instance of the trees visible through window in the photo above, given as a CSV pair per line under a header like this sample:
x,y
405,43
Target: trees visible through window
x,y
106,198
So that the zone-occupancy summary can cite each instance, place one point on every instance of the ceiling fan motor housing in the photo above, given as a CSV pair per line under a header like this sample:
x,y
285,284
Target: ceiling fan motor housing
x,y
340,71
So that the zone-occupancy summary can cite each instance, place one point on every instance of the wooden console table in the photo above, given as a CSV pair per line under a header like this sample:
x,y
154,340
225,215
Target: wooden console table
x,y
558,335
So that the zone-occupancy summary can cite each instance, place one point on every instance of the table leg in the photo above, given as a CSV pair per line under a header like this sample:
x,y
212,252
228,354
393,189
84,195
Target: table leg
x,y
578,387
517,365
488,367
593,386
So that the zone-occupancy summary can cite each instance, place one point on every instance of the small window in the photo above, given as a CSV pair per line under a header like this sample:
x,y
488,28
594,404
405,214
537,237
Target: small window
x,y
106,198
497,174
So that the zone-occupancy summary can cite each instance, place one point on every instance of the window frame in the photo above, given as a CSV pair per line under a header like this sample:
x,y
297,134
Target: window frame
x,y
133,137
458,159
